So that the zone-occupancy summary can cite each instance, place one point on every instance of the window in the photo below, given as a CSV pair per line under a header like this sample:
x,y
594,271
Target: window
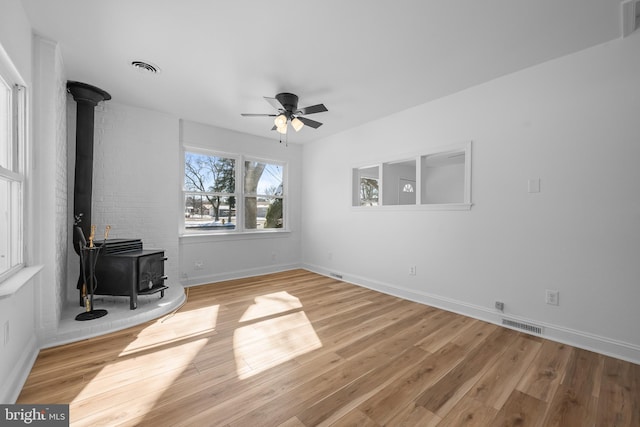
x,y
214,201
12,142
437,180
210,197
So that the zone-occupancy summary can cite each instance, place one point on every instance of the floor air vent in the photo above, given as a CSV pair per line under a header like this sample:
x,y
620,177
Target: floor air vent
x,y
524,326
336,275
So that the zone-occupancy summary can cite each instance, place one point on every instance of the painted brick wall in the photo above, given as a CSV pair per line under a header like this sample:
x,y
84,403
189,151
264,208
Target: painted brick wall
x,y
62,212
135,177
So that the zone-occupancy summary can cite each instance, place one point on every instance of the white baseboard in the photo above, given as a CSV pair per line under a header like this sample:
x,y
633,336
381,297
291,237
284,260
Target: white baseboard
x,y
11,388
238,274
620,350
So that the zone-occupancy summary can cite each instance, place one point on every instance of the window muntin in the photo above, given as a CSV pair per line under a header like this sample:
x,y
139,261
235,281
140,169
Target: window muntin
x,y
213,201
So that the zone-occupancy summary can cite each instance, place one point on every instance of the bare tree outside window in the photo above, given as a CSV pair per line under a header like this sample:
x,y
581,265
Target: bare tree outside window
x,y
210,183
210,193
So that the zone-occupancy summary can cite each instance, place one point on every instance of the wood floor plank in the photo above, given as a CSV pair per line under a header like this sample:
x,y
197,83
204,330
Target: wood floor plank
x,y
353,418
350,396
440,398
520,410
618,404
391,401
543,377
295,349
575,402
496,385
469,412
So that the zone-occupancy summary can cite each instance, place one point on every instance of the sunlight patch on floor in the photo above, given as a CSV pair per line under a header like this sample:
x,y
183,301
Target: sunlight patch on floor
x,y
268,343
101,392
167,330
270,304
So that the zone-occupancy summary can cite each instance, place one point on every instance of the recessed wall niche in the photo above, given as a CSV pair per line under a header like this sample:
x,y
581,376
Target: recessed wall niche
x,y
439,179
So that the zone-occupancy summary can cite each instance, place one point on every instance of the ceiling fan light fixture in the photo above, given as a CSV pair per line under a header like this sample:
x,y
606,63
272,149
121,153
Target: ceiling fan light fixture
x,y
280,121
297,124
282,129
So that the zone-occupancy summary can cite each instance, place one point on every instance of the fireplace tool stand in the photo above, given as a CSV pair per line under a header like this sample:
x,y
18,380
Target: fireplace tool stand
x,y
88,259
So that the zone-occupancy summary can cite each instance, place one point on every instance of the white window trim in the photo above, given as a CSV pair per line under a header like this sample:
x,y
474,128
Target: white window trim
x,y
239,194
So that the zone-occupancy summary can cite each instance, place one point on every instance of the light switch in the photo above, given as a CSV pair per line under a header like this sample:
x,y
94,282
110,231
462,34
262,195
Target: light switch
x,y
534,185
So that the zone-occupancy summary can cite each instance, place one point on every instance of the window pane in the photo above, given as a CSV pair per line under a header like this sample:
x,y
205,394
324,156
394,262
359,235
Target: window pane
x,y
262,178
5,126
443,177
263,212
398,182
207,212
209,173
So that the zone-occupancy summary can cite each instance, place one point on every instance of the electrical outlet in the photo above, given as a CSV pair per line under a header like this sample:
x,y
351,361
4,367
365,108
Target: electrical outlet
x,y
330,255
412,270
273,256
499,305
552,297
198,265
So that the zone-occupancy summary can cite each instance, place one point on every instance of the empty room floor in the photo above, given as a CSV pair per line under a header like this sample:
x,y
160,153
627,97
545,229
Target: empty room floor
x,y
300,349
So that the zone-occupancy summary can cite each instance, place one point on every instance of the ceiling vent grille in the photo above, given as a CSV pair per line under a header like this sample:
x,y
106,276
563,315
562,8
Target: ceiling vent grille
x,y
523,326
145,67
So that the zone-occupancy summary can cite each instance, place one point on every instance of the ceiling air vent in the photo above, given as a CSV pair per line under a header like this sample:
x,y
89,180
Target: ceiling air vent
x,y
145,67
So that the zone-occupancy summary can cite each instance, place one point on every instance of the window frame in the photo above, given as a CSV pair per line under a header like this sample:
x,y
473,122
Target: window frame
x,y
239,194
15,171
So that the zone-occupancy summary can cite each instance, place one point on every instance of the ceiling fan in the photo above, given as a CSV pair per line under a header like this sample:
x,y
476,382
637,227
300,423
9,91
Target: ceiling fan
x,y
288,112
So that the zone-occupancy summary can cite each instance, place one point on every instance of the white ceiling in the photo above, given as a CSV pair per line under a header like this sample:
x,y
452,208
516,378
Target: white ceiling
x,y
363,59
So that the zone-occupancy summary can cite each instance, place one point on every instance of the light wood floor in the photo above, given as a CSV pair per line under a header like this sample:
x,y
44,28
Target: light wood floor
x,y
299,349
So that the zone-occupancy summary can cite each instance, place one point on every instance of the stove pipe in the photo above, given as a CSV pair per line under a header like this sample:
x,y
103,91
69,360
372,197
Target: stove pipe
x,y
86,97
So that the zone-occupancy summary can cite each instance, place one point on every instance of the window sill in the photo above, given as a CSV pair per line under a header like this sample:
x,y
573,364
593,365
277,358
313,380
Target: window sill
x,y
236,235
426,207
13,284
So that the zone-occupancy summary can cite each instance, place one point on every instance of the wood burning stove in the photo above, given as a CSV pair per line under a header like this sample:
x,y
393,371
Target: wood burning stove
x,y
124,268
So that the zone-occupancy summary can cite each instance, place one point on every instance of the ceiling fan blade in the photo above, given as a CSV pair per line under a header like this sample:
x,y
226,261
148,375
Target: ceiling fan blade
x,y
319,108
273,102
274,128
256,115
309,122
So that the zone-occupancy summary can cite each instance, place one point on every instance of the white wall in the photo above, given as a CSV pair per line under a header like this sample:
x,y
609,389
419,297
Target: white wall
x,y
18,310
233,256
572,122
135,179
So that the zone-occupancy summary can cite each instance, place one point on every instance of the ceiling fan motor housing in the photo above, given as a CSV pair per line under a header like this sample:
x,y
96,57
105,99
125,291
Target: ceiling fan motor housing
x,y
289,101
